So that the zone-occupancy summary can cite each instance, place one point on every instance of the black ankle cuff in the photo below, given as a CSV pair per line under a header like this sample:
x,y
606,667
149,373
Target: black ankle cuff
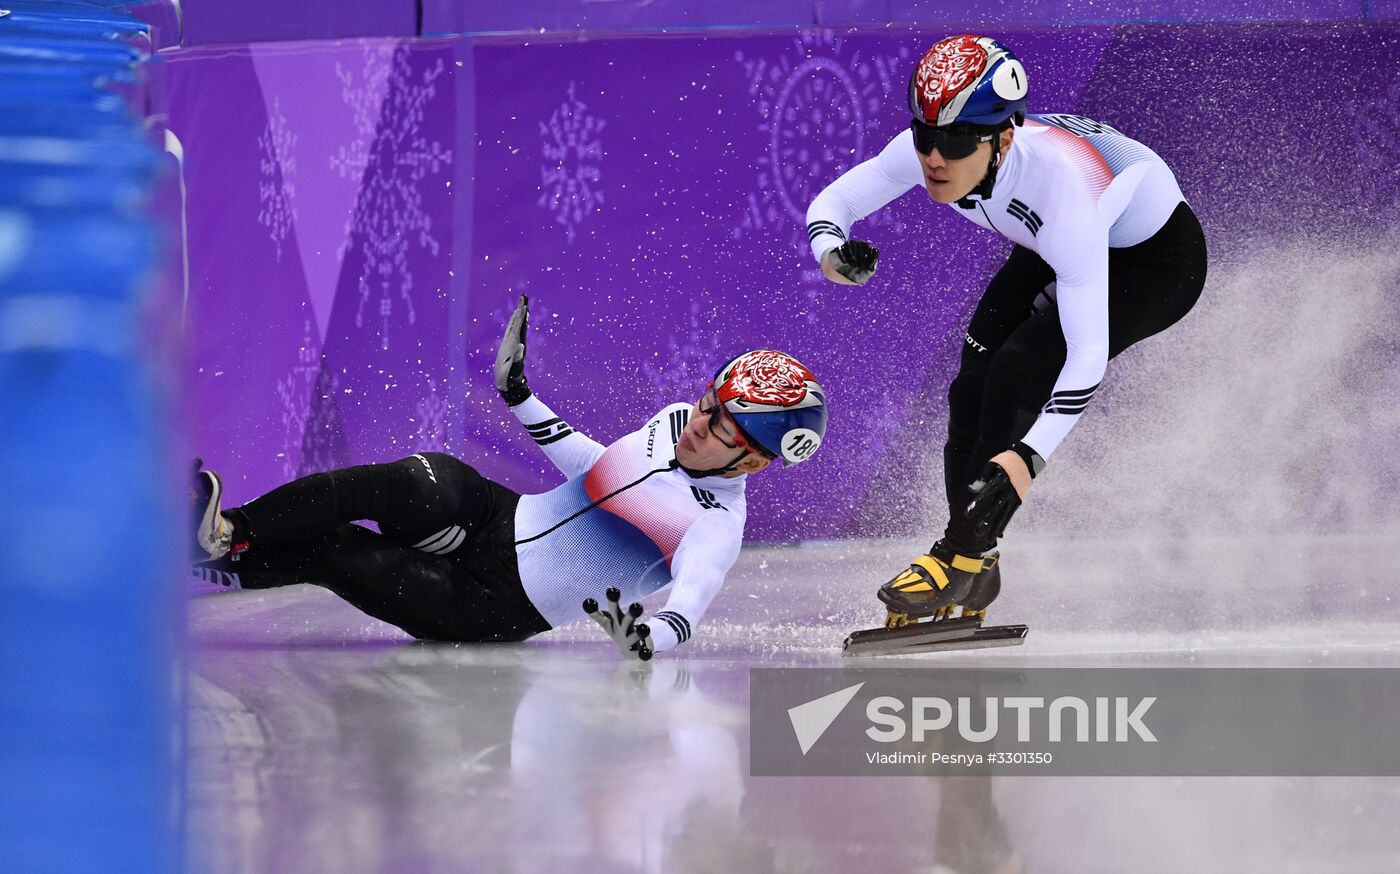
x,y
963,542
242,531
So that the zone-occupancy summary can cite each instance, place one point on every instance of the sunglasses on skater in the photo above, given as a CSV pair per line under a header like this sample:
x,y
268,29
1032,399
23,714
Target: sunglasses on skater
x,y
952,145
723,426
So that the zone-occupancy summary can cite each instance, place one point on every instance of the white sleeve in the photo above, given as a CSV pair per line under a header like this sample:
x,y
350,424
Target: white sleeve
x,y
703,559
860,191
571,451
1079,256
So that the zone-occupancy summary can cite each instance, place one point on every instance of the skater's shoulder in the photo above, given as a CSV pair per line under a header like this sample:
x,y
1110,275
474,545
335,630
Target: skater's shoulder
x,y
1041,153
667,410
674,416
658,435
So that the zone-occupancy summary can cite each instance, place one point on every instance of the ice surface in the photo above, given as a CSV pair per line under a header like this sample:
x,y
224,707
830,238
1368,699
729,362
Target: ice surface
x,y
322,740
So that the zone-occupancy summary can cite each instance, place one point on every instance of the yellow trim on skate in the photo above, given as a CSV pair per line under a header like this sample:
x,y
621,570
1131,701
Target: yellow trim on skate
x,y
970,565
909,581
935,570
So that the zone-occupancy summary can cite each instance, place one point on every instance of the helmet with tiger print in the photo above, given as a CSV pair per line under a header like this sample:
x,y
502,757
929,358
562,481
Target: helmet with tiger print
x,y
968,79
776,401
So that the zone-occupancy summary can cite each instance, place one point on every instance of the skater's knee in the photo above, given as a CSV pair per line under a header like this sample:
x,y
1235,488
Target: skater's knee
x,y
425,478
438,470
439,461
965,399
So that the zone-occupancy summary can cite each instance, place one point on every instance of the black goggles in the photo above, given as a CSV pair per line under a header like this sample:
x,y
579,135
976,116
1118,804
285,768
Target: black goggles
x,y
952,145
723,426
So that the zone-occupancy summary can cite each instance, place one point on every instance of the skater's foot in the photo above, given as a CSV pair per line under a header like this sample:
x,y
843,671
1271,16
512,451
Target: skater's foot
x,y
933,584
213,533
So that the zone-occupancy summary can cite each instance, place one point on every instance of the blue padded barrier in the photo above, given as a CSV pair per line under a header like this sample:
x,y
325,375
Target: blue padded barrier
x,y
89,627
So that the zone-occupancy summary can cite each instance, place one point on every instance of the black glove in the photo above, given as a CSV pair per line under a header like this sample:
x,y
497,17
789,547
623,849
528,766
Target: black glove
x,y
855,260
510,358
994,502
632,637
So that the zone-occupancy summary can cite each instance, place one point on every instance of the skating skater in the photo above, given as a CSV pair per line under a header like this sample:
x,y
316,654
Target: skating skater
x,y
462,558
1107,254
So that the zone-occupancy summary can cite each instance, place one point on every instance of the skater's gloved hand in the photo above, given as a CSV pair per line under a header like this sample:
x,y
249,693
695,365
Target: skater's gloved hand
x,y
510,358
631,636
854,260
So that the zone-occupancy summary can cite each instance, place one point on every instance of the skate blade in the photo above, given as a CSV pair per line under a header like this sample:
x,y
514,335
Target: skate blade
x,y
949,634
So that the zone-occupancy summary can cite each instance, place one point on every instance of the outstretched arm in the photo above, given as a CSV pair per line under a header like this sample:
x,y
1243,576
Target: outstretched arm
x,y
698,569
572,452
854,195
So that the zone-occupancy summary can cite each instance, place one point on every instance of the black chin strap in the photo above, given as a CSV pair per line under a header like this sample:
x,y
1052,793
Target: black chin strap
x,y
716,471
984,188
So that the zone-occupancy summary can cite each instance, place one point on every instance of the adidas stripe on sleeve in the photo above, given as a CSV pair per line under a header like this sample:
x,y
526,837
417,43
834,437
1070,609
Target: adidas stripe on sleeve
x,y
1079,257
860,191
572,452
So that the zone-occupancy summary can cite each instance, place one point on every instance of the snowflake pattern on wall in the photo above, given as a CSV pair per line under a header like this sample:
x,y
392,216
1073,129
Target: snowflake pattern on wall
x,y
571,169
692,360
814,107
432,421
392,157
294,391
278,166
364,99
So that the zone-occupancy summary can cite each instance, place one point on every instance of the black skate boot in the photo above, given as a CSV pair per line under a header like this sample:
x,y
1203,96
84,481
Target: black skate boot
x,y
935,583
213,533
985,588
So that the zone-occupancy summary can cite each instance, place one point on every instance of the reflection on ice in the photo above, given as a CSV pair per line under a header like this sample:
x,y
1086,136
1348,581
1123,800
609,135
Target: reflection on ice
x,y
324,741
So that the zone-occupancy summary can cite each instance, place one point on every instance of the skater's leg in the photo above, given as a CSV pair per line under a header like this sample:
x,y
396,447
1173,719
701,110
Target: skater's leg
x,y
1010,299
1155,284
936,581
284,564
475,594
1019,382
318,504
431,597
384,579
431,501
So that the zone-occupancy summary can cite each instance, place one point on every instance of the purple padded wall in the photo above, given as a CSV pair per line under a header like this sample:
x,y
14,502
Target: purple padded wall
x,y
363,214
208,22
533,16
